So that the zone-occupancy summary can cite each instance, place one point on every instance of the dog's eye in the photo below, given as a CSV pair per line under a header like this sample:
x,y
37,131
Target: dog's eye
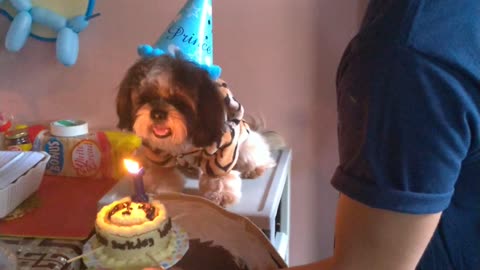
x,y
222,84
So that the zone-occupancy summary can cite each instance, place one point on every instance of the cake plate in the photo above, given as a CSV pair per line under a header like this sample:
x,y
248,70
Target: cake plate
x,y
178,244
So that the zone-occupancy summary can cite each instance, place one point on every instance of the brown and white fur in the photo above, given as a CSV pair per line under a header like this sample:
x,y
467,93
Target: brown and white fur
x,y
176,109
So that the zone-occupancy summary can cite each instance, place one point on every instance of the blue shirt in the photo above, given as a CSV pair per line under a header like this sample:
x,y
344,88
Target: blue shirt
x,y
408,93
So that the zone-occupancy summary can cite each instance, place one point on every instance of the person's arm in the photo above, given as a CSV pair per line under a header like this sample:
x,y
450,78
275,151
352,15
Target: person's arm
x,y
369,238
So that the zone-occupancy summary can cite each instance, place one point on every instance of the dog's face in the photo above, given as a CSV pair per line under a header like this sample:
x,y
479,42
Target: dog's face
x,y
170,102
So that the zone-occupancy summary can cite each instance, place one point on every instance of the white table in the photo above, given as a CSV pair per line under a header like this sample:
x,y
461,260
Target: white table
x,y
265,200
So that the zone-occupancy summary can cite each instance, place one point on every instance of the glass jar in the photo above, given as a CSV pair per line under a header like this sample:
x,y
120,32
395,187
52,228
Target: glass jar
x,y
18,140
5,124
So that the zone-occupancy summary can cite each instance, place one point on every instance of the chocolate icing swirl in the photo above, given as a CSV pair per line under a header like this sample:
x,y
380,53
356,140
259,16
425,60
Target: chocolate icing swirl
x,y
146,207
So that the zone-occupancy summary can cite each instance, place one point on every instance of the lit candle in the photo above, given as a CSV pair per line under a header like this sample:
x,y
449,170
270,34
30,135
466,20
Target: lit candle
x,y
137,172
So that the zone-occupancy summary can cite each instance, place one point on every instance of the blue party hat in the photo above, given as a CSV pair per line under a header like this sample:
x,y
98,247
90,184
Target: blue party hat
x,y
189,34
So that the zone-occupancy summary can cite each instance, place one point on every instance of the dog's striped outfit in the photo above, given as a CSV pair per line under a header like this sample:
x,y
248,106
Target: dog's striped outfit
x,y
220,157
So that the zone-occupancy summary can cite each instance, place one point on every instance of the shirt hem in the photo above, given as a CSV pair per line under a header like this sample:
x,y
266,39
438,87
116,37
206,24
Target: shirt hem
x,y
386,198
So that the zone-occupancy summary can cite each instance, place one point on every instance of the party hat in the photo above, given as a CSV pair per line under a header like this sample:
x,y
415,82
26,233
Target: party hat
x,y
189,34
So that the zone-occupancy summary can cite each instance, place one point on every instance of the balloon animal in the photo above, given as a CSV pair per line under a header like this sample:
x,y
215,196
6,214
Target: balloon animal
x,y
28,17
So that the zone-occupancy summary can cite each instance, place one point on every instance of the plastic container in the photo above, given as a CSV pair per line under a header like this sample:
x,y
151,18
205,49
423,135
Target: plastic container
x,y
16,192
8,258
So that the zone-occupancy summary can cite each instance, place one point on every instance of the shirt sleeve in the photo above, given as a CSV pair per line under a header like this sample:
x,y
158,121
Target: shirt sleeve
x,y
403,130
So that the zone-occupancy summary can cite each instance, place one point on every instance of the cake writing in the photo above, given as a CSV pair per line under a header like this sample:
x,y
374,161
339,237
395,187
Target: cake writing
x,y
132,245
102,240
166,228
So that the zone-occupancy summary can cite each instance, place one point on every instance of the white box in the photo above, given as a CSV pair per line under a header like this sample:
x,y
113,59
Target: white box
x,y
19,190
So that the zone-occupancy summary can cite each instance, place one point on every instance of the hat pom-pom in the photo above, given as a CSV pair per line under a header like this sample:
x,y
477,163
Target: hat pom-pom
x,y
214,71
145,50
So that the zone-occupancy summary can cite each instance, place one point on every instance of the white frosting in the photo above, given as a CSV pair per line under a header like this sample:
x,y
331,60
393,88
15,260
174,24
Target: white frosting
x,y
129,226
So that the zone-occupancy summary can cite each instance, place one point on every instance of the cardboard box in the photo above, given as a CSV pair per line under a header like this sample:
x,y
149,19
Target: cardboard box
x,y
19,190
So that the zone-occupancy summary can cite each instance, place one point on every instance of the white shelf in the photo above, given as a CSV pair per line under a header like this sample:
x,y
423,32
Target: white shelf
x,y
281,244
261,196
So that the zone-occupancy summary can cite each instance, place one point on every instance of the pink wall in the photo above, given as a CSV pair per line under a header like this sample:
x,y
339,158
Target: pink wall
x,y
279,56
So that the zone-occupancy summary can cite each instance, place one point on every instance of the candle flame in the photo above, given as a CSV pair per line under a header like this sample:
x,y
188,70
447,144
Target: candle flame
x,y
132,166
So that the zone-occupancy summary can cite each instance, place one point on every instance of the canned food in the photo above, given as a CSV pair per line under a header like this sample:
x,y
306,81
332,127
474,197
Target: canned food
x,y
18,140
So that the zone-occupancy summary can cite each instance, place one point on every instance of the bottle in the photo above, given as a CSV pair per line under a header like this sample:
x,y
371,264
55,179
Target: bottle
x,y
5,125
18,140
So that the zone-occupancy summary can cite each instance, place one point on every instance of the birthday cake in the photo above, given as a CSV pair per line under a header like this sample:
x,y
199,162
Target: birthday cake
x,y
133,233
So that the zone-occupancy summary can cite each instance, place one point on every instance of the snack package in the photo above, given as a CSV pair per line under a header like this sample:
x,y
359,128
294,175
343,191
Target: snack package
x,y
122,145
96,154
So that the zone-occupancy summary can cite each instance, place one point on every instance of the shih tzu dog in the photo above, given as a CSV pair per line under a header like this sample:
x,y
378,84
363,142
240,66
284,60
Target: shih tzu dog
x,y
190,123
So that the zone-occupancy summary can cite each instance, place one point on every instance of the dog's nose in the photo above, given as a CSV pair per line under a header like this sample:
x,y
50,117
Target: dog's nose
x,y
158,115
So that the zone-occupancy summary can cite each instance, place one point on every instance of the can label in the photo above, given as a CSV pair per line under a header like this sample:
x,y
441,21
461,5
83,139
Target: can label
x,y
86,158
55,149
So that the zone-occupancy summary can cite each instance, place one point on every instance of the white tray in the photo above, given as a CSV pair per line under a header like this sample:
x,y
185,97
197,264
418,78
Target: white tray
x,y
16,192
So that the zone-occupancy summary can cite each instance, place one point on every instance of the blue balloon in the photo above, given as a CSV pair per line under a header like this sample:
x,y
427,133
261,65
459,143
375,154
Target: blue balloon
x,y
48,18
77,23
21,5
67,46
18,32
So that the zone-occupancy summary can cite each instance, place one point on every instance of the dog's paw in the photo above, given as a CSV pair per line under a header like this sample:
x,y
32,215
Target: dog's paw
x,y
223,191
190,172
252,174
214,197
222,199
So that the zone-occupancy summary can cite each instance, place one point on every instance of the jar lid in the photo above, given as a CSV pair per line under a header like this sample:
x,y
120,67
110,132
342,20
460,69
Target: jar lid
x,y
21,127
15,134
69,128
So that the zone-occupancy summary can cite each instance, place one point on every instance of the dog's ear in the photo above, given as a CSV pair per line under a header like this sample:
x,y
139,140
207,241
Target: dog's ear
x,y
130,83
209,125
124,106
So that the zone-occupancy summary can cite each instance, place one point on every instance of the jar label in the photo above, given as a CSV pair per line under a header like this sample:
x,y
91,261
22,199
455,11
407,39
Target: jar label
x,y
14,148
55,149
86,158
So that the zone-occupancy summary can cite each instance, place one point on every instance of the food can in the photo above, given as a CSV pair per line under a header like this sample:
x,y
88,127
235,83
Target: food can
x,y
17,140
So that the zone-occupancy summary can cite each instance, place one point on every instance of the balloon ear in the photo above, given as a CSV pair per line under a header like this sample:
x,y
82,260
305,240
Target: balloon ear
x,y
68,41
67,47
18,31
